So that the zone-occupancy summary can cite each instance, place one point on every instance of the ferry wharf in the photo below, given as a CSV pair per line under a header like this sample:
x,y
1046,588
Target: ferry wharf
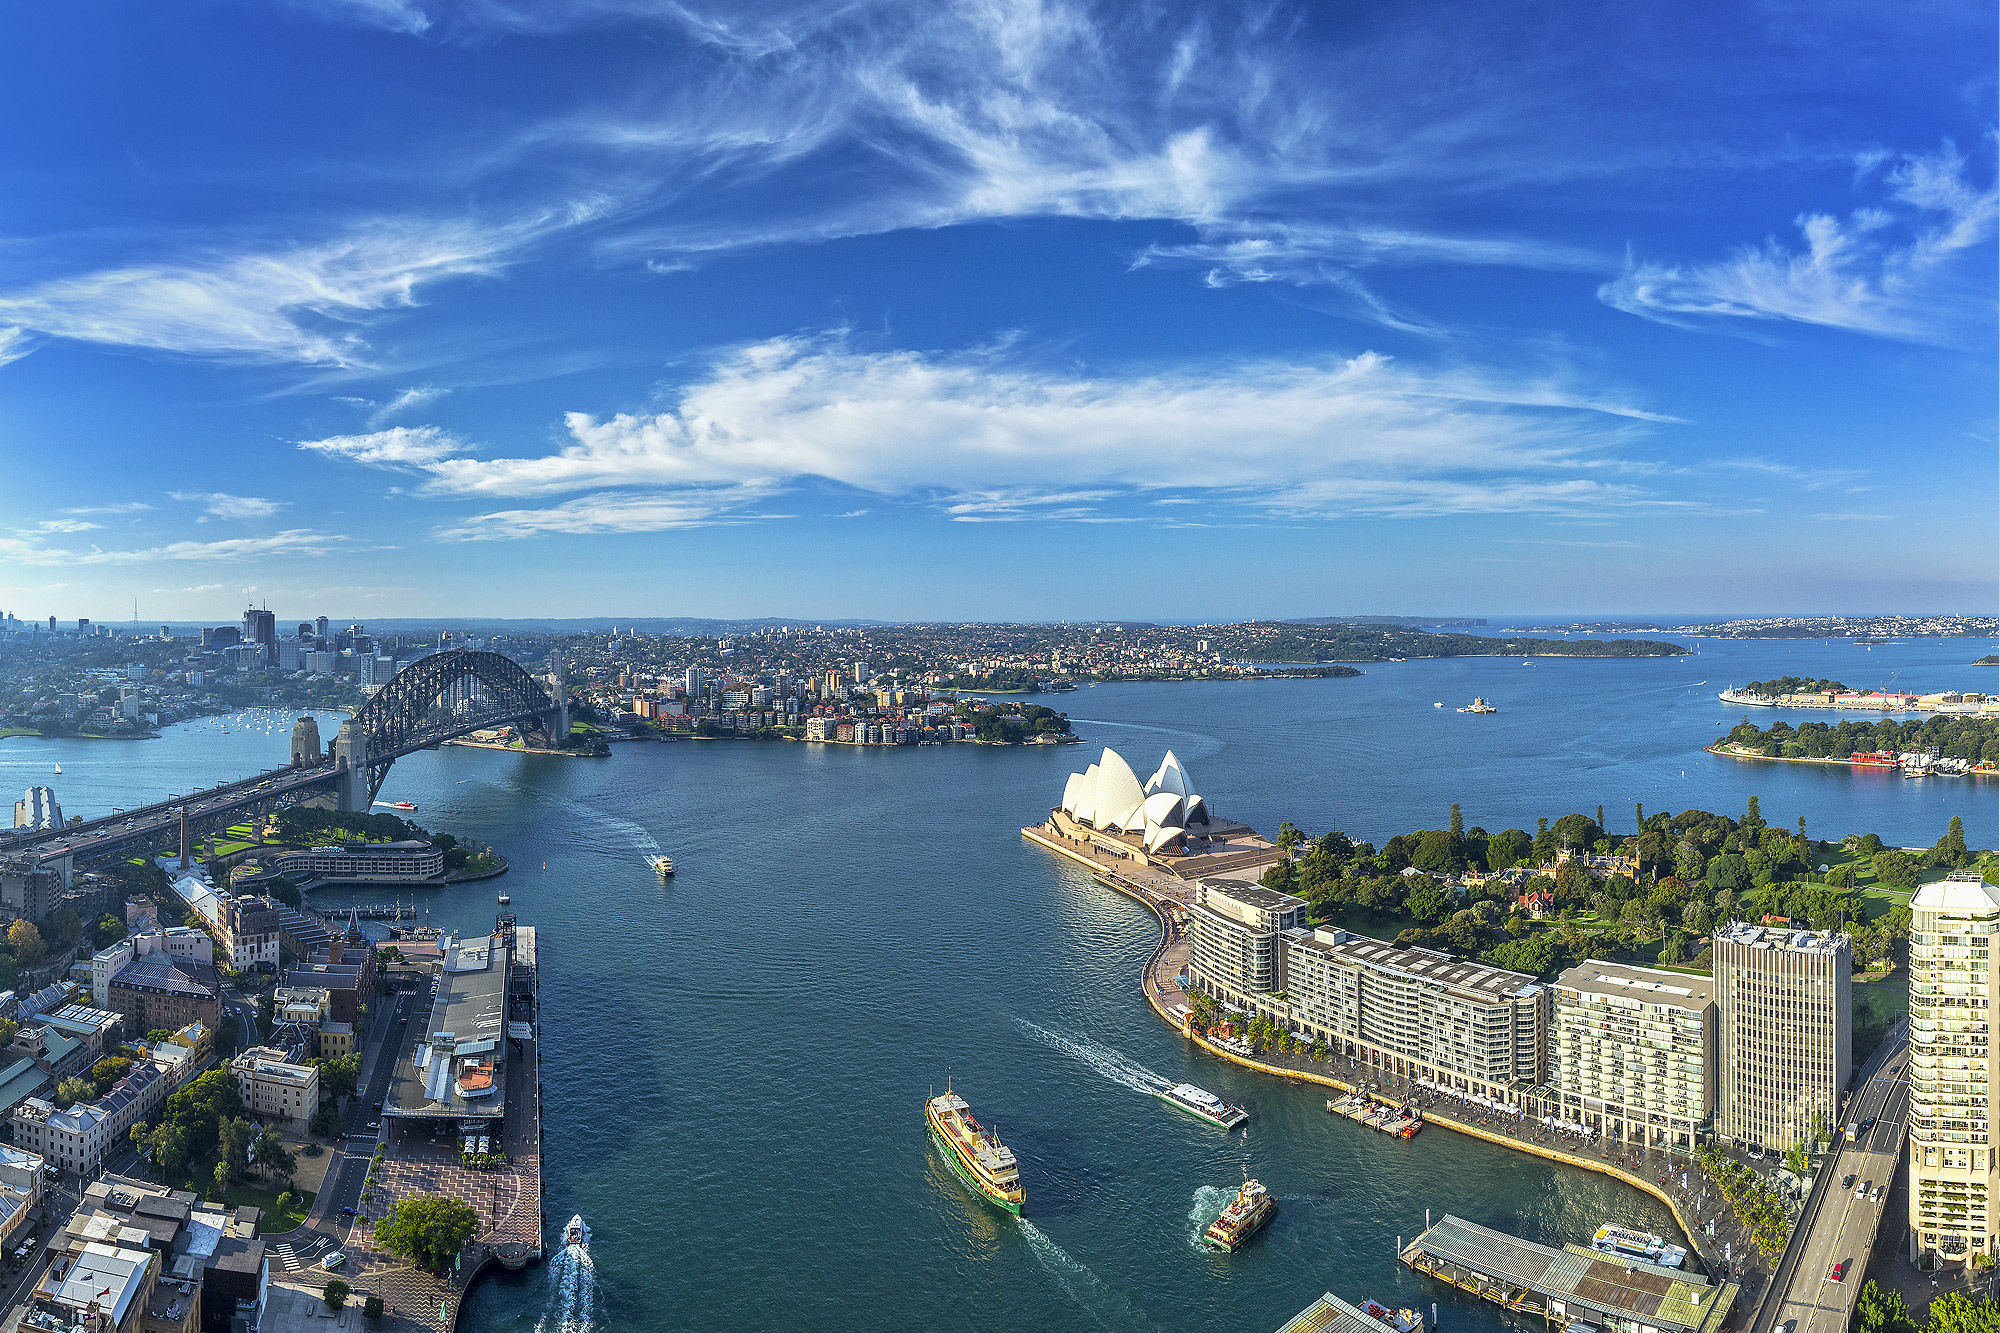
x,y
1574,1283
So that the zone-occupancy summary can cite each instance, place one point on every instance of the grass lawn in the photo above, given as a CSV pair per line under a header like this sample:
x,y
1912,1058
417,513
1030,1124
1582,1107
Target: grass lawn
x,y
231,848
258,1197
1876,1005
18,731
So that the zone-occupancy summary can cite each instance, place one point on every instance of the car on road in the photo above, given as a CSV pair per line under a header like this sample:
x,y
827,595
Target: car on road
x,y
335,1260
1875,1195
1848,1183
1838,1272
348,1211
1861,1190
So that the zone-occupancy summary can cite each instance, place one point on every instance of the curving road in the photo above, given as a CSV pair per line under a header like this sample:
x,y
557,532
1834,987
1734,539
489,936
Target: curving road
x,y
1839,1226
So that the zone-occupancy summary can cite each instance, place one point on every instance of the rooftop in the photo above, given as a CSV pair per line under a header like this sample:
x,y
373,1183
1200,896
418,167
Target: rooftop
x,y
465,1038
1330,1314
1646,984
1439,969
1780,937
1659,1297
161,974
1957,896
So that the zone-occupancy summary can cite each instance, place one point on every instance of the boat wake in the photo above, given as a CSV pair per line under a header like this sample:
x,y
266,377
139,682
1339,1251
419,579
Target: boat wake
x,y
633,834
574,1308
1105,1306
1100,1057
1208,1205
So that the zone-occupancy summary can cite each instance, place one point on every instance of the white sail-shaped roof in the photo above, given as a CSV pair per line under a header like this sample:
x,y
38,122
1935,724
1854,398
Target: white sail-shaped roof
x,y
1159,837
1194,811
1170,776
1162,807
1070,793
1086,796
1120,801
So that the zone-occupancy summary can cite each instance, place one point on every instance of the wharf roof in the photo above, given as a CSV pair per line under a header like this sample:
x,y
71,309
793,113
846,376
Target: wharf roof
x,y
1476,980
1330,1314
1644,1293
1645,984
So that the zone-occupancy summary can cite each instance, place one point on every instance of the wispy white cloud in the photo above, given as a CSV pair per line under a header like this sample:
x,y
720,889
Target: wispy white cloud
x,y
300,542
302,304
127,507
693,507
399,446
415,396
219,504
199,587
53,525
985,435
15,343
394,15
1914,266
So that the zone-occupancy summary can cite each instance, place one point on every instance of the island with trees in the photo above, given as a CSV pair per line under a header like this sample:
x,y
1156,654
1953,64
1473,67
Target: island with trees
x,y
1950,736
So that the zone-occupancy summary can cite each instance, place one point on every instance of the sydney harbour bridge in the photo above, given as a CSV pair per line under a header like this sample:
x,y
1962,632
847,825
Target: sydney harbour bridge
x,y
433,700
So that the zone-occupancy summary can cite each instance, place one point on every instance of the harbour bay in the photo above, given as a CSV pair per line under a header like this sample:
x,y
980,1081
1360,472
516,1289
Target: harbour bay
x,y
735,1060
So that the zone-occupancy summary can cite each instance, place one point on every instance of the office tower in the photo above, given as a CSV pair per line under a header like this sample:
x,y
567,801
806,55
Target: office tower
x,y
1633,1052
861,673
83,627
1954,1074
261,628
221,636
305,630
319,627
1782,1007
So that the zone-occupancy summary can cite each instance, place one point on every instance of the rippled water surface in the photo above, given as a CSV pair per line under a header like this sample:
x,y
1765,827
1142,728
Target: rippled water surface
x,y
735,1061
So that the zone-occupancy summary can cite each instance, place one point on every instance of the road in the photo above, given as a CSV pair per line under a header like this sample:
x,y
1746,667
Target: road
x,y
1841,1227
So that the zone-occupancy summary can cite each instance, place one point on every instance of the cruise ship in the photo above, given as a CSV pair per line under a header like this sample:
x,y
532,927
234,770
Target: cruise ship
x,y
1206,1105
1626,1243
1244,1217
975,1152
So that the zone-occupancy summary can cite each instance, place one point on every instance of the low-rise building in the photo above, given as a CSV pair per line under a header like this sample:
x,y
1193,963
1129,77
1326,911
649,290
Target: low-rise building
x,y
75,1139
160,991
1634,1052
180,942
407,862
276,1089
249,930
336,1039
97,1029
102,1288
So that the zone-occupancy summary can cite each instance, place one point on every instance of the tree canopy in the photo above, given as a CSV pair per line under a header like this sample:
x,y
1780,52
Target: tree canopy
x,y
428,1229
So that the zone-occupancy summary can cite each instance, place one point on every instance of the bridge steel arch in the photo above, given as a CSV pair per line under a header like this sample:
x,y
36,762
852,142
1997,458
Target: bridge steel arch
x,y
393,723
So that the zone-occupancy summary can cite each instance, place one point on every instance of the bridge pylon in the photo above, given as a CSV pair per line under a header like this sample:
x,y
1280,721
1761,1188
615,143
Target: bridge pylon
x,y
350,753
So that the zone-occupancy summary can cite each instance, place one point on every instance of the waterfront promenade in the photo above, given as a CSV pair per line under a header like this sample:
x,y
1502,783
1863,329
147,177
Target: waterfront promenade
x,y
1672,1178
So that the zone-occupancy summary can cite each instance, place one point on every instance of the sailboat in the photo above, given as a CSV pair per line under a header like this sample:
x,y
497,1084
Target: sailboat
x,y
58,770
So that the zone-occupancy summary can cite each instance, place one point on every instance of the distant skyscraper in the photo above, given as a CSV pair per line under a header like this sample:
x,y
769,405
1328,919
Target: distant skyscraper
x,y
319,626
221,636
261,628
1954,1068
52,624
1784,1017
83,626
305,630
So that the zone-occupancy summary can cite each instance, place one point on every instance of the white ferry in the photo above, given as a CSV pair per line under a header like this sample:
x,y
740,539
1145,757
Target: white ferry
x,y
1206,1105
1626,1243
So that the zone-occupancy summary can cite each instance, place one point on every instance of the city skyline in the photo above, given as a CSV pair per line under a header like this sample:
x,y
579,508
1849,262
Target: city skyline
x,y
417,307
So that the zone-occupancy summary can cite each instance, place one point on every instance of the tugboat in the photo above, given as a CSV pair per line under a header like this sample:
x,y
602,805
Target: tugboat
x,y
1245,1216
664,866
1204,1105
975,1152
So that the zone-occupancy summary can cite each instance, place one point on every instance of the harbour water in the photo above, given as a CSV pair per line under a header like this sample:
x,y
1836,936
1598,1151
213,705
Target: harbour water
x,y
735,1060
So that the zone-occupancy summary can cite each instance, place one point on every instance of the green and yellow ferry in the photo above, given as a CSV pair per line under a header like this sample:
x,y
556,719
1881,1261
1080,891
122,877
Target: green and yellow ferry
x,y
975,1152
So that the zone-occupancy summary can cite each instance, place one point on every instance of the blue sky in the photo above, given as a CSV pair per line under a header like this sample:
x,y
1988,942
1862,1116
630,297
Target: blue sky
x,y
996,310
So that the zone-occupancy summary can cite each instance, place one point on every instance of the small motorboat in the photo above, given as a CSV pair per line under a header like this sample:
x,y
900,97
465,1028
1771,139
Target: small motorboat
x,y
576,1233
504,900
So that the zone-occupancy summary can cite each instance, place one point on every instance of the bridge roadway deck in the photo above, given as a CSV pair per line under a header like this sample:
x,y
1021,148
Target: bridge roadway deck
x,y
1837,1226
133,832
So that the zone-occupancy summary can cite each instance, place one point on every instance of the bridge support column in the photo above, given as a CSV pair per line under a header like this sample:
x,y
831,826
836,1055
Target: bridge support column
x,y
350,752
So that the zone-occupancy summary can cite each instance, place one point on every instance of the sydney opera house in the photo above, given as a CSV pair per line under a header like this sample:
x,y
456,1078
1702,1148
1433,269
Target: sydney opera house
x,y
1107,797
